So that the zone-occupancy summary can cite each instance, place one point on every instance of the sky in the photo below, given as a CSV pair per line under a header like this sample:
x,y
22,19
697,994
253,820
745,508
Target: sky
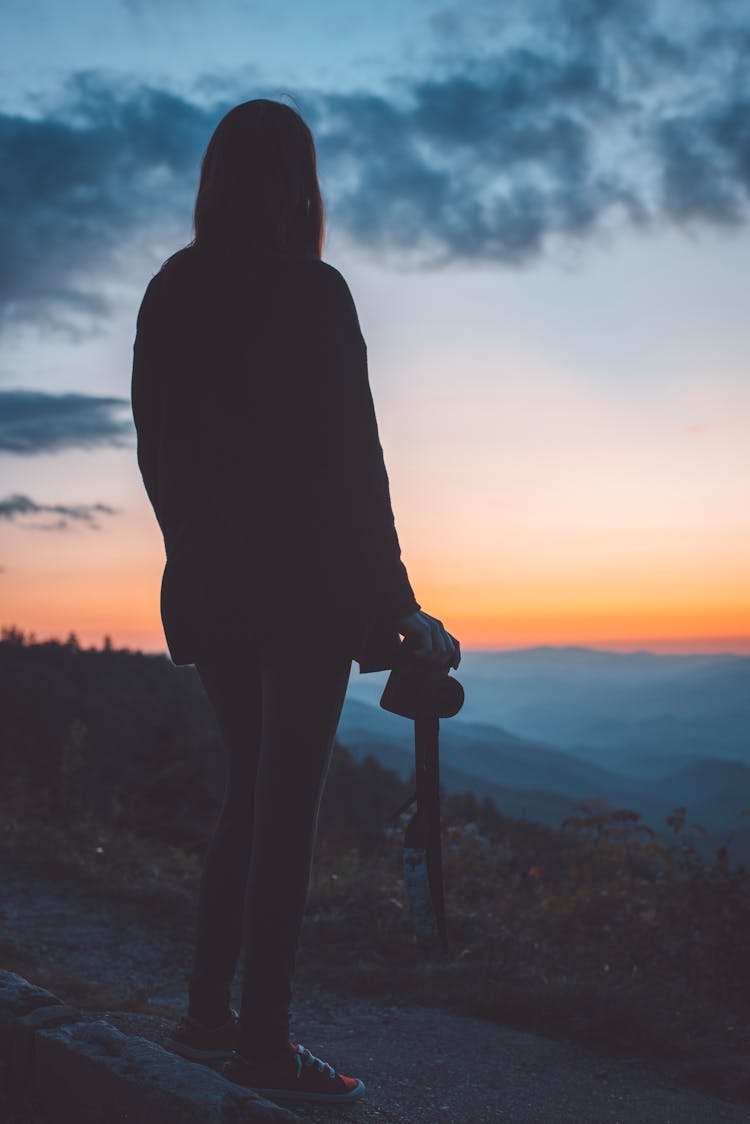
x,y
541,209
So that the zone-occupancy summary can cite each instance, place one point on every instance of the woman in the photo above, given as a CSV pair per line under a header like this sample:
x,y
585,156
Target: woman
x,y
259,451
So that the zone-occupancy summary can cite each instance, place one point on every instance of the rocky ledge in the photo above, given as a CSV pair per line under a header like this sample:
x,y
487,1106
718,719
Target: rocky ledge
x,y
58,1063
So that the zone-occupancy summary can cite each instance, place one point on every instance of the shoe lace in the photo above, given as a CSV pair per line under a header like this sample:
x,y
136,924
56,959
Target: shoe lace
x,y
310,1059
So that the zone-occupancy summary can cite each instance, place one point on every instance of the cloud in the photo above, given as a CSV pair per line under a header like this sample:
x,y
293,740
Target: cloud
x,y
78,180
705,162
580,115
16,506
476,166
34,421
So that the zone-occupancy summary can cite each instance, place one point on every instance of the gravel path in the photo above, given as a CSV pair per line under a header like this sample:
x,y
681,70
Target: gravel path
x,y
420,1065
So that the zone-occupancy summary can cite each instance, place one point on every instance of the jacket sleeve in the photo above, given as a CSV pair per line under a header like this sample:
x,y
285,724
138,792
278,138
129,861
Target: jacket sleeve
x,y
342,380
145,392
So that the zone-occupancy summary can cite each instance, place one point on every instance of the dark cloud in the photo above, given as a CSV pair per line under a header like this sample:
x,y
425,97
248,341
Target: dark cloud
x,y
608,110
474,166
705,159
18,507
78,180
34,421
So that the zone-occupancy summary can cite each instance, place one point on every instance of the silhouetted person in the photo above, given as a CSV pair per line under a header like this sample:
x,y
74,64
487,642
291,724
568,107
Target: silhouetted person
x,y
259,451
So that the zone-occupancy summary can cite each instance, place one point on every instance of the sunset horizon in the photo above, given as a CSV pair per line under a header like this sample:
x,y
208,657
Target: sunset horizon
x,y
152,644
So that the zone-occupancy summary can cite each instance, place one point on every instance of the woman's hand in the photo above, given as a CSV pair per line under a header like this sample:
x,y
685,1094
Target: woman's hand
x,y
428,640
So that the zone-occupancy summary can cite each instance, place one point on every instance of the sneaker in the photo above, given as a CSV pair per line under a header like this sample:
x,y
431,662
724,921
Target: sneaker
x,y
300,1076
194,1040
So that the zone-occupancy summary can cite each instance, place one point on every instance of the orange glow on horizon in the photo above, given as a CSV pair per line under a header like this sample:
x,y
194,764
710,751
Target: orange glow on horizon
x,y
525,602
136,629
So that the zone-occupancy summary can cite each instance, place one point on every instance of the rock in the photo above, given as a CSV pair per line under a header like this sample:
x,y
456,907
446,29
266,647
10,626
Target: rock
x,y
66,1065
20,1051
17,998
89,1072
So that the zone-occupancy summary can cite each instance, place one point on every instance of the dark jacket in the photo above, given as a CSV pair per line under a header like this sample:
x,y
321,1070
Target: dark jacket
x,y
259,451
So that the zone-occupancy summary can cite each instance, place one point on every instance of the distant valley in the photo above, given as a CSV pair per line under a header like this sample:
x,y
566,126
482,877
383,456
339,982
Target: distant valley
x,y
543,729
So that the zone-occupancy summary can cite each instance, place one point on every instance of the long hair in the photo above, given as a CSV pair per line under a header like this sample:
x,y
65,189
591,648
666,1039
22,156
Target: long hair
x,y
258,189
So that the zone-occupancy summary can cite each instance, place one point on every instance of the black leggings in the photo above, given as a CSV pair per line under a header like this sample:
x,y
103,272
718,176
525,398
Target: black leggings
x,y
278,714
